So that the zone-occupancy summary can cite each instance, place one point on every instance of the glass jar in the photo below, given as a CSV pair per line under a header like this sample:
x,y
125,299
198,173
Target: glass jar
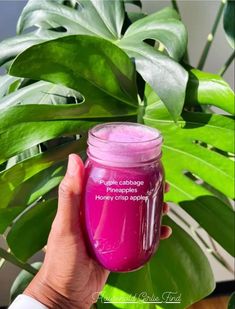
x,y
123,194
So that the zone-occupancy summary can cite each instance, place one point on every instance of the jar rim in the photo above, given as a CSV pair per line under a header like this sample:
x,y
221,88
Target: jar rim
x,y
157,132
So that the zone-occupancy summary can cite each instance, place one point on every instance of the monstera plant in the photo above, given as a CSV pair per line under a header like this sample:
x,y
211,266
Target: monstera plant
x,y
77,63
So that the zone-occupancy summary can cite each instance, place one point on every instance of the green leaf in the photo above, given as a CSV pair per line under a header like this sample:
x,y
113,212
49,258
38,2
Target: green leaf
x,y
11,47
195,149
20,114
19,131
125,290
167,78
209,89
28,173
37,186
30,232
231,303
7,216
161,91
177,259
162,26
5,83
41,93
32,133
98,18
22,281
23,155
15,85
184,152
89,59
229,22
48,93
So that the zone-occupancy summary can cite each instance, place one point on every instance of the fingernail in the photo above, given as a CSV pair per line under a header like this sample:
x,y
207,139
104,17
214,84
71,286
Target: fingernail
x,y
169,231
73,166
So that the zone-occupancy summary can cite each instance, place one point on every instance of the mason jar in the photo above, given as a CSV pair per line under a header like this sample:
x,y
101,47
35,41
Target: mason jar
x,y
123,194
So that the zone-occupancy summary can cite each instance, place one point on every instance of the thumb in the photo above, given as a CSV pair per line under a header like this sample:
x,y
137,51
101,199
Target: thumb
x,y
70,189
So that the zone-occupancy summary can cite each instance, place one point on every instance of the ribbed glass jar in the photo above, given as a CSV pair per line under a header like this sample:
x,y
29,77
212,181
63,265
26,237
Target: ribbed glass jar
x,y
123,195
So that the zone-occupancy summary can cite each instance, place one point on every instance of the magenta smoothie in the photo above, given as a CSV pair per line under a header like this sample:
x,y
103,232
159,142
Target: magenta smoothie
x,y
123,194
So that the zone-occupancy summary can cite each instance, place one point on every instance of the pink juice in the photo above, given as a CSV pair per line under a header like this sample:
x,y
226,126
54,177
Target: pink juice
x,y
123,194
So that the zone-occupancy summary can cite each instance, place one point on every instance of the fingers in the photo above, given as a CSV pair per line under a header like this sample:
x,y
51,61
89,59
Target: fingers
x,y
166,232
167,187
70,190
165,208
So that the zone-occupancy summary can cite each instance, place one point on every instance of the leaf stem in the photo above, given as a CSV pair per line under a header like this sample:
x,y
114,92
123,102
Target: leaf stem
x,y
175,6
12,259
227,64
211,35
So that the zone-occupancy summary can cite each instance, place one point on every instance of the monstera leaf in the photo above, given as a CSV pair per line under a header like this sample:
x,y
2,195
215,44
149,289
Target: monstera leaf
x,y
209,89
163,26
42,93
97,58
79,68
105,19
184,152
96,18
43,212
10,48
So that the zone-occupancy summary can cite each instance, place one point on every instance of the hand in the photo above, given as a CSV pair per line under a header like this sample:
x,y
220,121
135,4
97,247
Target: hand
x,y
69,277
165,230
